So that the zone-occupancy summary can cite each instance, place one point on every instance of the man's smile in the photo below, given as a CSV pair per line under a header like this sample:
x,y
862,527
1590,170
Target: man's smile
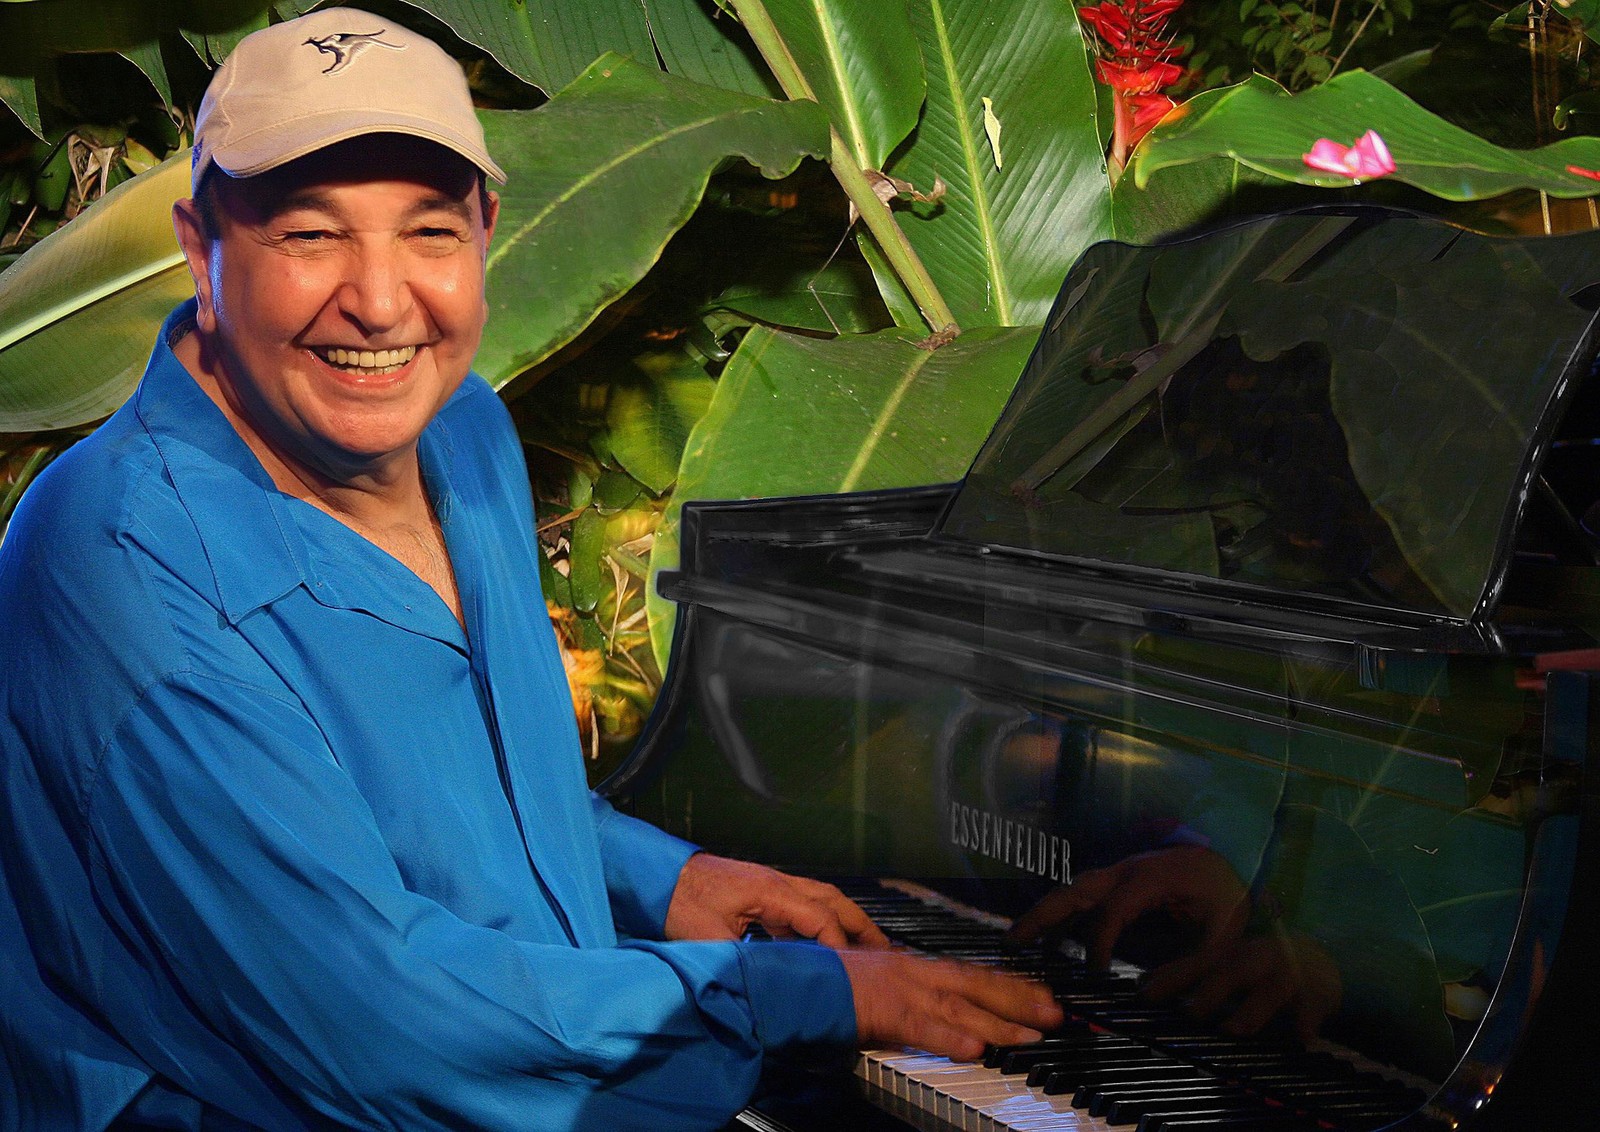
x,y
366,363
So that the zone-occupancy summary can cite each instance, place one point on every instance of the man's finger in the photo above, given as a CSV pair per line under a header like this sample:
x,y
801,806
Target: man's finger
x,y
943,1007
856,925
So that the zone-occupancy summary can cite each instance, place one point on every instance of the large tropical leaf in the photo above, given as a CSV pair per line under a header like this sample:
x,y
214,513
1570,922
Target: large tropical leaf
x,y
650,413
787,290
1016,215
547,42
1269,130
78,311
147,57
21,94
862,64
849,413
215,46
600,178
698,40
1180,198
215,28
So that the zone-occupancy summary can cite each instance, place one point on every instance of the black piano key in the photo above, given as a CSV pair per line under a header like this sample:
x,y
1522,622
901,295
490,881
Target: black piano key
x,y
1197,1040
1074,1031
1022,1060
1069,1081
1266,1121
1105,1054
1222,1103
1092,1069
1129,1109
1041,1071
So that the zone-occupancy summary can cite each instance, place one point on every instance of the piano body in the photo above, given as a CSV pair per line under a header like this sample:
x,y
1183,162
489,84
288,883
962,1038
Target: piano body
x,y
1276,562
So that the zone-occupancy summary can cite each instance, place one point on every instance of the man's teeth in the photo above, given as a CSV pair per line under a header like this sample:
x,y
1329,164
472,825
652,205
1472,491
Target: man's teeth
x,y
369,361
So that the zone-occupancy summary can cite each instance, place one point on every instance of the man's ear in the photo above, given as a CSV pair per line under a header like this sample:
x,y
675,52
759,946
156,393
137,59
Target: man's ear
x,y
492,215
196,248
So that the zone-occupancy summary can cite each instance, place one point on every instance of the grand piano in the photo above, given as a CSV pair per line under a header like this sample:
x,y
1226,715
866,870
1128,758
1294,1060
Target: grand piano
x,y
1280,570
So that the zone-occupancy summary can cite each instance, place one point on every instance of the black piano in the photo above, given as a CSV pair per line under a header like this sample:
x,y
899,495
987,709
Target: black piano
x,y
1281,569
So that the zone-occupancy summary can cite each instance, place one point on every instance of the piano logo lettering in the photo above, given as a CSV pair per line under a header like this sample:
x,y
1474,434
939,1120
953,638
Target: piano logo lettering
x,y
1014,843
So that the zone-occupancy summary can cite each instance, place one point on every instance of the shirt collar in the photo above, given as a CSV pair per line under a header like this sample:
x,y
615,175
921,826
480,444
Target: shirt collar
x,y
219,481
256,547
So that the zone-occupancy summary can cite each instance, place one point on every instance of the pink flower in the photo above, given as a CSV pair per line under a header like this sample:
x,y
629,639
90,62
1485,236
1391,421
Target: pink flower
x,y
1369,157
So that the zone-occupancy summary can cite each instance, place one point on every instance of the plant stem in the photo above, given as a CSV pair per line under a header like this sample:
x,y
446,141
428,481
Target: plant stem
x,y
1372,11
847,170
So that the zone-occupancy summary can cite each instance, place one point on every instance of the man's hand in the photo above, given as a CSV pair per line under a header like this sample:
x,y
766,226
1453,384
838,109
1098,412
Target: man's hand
x,y
953,1009
718,898
1188,881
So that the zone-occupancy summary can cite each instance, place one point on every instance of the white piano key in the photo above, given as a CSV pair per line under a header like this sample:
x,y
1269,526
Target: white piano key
x,y
967,1097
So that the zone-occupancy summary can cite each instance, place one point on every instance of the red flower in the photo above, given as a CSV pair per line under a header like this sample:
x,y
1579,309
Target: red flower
x,y
1136,78
1134,59
1148,109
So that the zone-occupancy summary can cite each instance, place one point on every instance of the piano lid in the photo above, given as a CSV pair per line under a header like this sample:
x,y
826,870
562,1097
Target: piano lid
x,y
1343,409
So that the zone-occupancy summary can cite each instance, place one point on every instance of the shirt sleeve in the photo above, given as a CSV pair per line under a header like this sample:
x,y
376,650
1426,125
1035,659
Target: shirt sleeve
x,y
291,966
642,864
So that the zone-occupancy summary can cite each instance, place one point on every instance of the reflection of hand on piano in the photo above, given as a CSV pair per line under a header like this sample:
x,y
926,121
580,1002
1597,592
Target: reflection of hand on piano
x,y
1187,881
1246,983
719,898
943,1007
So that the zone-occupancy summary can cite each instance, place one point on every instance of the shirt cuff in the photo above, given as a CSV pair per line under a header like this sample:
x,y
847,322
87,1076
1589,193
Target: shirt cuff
x,y
799,994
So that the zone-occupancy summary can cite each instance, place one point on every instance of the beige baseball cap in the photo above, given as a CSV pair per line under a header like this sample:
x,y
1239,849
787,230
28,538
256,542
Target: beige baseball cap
x,y
336,74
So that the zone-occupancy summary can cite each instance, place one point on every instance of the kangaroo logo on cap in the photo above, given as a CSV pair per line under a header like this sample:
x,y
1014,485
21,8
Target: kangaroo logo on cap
x,y
344,46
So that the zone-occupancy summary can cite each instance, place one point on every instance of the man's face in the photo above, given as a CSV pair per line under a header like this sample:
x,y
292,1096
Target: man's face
x,y
341,298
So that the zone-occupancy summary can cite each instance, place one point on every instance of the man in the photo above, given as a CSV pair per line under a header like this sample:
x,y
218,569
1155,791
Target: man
x,y
293,821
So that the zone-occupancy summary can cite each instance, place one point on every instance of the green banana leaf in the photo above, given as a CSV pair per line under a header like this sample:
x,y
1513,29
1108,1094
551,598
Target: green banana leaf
x,y
862,64
850,413
213,47
699,41
1013,220
600,179
651,412
78,311
21,94
1174,199
790,291
547,42
1269,130
33,35
214,29
147,57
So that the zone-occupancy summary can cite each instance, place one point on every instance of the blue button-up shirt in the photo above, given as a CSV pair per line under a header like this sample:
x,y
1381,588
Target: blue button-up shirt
x,y
284,844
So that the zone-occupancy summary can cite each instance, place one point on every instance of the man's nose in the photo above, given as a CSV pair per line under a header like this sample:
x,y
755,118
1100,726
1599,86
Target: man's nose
x,y
376,291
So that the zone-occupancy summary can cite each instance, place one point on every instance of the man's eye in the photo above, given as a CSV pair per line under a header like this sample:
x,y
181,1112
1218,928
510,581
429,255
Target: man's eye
x,y
308,236
441,233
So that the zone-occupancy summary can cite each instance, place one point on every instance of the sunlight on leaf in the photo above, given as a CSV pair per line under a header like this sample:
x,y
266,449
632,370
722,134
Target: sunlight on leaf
x,y
77,312
623,140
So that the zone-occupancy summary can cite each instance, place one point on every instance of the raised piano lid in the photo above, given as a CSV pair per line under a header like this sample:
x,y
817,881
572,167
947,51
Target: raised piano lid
x,y
1256,561
1335,412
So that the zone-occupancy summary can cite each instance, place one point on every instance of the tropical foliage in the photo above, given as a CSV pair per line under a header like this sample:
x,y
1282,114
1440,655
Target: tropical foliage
x,y
683,304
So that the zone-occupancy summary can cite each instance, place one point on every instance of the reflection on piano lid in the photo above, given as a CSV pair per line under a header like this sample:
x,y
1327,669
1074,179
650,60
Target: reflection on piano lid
x,y
1262,576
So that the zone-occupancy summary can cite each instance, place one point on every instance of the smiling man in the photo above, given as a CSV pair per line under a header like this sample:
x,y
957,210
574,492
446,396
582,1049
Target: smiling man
x,y
293,823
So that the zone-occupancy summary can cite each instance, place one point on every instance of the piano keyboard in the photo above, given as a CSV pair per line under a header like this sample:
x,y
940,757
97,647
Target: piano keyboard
x,y
1119,1064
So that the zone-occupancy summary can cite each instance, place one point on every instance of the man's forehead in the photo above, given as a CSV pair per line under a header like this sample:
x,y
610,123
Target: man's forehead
x,y
316,178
